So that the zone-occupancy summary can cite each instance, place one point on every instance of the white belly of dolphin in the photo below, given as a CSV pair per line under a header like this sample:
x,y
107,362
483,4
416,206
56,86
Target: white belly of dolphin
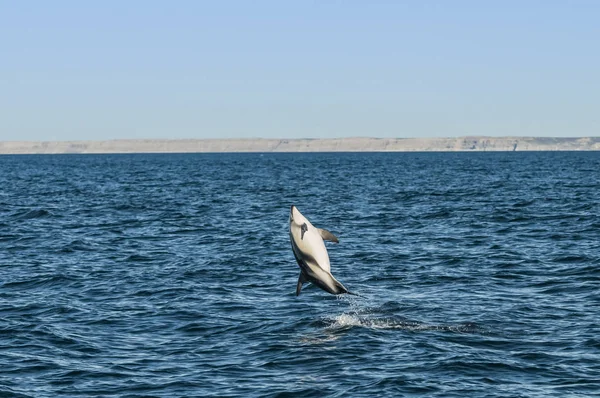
x,y
310,244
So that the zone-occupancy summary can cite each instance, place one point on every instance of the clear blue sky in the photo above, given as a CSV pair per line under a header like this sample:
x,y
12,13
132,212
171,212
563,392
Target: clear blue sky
x,y
291,69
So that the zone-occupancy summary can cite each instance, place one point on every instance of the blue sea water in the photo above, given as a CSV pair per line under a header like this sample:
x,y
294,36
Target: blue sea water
x,y
172,275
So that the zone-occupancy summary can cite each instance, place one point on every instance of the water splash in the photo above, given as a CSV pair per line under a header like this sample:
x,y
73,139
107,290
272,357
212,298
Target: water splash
x,y
349,320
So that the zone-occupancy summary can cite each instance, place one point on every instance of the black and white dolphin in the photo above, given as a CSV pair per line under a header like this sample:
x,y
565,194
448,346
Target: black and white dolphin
x,y
311,254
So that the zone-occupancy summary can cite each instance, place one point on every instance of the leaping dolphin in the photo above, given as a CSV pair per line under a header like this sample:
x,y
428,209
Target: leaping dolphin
x,y
310,252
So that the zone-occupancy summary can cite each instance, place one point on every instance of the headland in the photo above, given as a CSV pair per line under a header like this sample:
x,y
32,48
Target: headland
x,y
354,144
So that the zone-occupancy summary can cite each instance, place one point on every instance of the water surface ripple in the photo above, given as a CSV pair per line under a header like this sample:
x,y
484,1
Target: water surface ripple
x,y
172,275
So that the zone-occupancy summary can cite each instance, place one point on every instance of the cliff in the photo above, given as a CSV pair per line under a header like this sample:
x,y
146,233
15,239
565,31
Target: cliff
x,y
466,144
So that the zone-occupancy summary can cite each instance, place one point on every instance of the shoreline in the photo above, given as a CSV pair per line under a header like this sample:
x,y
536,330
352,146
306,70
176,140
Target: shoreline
x,y
354,144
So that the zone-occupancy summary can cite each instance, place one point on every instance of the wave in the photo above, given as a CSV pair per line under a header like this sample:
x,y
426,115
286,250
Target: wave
x,y
31,214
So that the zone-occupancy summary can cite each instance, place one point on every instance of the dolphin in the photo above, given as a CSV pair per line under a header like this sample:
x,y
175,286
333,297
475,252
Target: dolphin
x,y
309,249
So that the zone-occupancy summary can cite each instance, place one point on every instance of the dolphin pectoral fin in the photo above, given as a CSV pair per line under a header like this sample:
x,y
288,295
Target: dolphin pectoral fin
x,y
301,280
326,235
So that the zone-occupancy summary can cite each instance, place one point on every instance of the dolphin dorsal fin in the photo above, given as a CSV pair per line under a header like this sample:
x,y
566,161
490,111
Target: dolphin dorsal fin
x,y
301,280
326,235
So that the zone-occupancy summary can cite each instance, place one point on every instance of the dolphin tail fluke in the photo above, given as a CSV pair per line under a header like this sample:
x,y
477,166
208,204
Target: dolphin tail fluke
x,y
343,290
354,294
301,280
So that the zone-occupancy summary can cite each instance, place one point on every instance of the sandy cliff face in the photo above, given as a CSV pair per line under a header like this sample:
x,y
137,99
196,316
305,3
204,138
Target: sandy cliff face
x,y
307,145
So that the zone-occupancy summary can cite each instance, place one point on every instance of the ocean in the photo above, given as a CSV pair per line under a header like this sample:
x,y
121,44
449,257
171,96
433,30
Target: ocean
x,y
172,275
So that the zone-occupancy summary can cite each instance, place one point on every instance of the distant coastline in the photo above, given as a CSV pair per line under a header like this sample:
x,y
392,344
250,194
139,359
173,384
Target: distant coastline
x,y
357,144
